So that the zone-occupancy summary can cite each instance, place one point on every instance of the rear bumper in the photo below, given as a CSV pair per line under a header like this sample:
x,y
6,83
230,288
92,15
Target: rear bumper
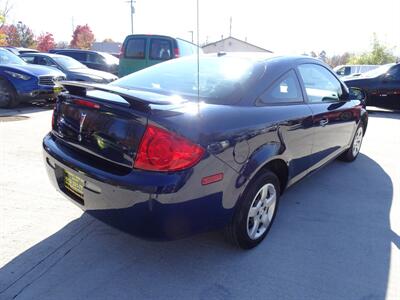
x,y
146,204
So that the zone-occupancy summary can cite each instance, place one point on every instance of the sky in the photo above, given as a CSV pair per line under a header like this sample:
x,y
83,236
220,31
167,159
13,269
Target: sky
x,y
284,26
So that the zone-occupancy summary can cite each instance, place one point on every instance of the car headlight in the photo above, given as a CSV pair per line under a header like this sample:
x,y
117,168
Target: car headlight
x,y
18,75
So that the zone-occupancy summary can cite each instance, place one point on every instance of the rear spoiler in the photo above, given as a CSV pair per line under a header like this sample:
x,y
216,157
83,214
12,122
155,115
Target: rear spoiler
x,y
133,97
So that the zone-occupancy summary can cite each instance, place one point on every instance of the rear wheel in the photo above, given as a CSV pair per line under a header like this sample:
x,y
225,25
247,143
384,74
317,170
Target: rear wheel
x,y
256,211
352,153
8,96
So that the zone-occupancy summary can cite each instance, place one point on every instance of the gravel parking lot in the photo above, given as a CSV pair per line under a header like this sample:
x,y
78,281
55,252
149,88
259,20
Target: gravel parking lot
x,y
336,235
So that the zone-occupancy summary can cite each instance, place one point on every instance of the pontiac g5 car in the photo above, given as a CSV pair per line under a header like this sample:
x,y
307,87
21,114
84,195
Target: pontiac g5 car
x,y
20,82
144,154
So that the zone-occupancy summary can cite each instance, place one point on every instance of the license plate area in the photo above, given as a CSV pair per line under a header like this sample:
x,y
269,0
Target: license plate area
x,y
74,184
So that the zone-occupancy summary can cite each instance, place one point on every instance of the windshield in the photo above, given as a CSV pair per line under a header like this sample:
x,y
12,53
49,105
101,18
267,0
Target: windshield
x,y
111,60
222,79
376,72
7,58
68,63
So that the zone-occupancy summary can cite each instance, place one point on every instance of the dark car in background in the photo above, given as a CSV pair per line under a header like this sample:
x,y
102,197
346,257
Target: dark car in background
x,y
73,69
21,82
144,154
381,85
140,51
93,59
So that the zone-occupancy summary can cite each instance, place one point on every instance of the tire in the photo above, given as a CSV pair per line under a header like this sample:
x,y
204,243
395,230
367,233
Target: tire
x,y
351,154
253,217
8,96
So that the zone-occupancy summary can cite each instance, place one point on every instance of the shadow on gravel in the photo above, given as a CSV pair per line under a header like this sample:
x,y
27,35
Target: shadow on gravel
x,y
331,240
27,108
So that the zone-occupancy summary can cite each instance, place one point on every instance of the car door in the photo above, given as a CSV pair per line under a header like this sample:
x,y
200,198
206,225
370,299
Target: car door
x,y
334,118
284,101
389,89
133,55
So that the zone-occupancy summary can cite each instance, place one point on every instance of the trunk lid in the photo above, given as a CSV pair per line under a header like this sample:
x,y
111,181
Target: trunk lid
x,y
103,121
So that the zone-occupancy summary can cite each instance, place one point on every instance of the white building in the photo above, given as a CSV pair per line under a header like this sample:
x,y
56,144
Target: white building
x,y
232,44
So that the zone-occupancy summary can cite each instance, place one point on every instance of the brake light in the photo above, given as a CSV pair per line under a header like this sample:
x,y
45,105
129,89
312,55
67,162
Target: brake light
x,y
161,150
86,103
176,52
121,52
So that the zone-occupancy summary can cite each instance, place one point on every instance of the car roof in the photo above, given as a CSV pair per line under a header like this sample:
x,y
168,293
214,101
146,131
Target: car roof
x,y
43,54
265,57
75,50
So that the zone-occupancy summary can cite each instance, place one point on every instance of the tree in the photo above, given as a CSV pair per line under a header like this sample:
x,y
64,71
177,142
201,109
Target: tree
x,y
338,60
62,45
45,42
19,35
379,55
82,37
26,36
108,40
11,35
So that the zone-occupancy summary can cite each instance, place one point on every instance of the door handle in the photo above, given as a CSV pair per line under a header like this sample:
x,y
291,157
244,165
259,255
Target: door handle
x,y
323,122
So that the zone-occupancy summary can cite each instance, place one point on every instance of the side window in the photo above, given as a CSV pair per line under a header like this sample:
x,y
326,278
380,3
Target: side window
x,y
29,59
320,84
347,71
160,49
80,56
341,71
394,72
95,58
44,61
285,90
135,48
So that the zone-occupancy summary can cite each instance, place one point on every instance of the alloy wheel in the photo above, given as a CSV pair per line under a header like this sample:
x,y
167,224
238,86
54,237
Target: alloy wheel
x,y
357,141
261,211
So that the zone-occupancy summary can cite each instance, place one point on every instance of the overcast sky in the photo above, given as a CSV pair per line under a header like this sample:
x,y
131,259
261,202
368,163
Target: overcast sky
x,y
284,26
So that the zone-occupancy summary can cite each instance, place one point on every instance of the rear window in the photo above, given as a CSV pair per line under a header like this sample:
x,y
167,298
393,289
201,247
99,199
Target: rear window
x,y
135,48
160,49
223,80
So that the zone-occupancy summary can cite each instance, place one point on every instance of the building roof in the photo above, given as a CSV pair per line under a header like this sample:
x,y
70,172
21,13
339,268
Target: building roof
x,y
231,37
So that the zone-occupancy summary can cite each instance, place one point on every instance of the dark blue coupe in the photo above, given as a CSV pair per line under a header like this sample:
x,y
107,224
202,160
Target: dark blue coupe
x,y
20,82
169,151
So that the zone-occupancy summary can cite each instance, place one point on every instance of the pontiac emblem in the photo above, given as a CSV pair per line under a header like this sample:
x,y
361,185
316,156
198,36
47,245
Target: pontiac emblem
x,y
81,121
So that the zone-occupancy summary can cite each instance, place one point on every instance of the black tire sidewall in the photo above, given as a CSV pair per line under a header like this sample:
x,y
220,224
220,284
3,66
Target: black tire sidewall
x,y
13,96
240,219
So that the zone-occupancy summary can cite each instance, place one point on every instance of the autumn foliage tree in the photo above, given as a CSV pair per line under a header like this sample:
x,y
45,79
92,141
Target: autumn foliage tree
x,y
82,37
19,35
45,42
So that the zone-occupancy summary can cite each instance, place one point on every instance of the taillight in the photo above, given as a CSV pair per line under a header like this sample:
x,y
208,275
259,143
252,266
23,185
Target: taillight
x,y
176,52
161,150
86,103
121,52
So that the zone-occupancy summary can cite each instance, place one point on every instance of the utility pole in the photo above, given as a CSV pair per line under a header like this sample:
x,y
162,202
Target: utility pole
x,y
131,2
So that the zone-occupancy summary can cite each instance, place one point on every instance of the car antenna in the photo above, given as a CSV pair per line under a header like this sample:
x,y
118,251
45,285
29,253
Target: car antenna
x,y
198,60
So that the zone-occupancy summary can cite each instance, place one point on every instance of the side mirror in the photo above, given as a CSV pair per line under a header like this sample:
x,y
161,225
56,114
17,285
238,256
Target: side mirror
x,y
357,94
